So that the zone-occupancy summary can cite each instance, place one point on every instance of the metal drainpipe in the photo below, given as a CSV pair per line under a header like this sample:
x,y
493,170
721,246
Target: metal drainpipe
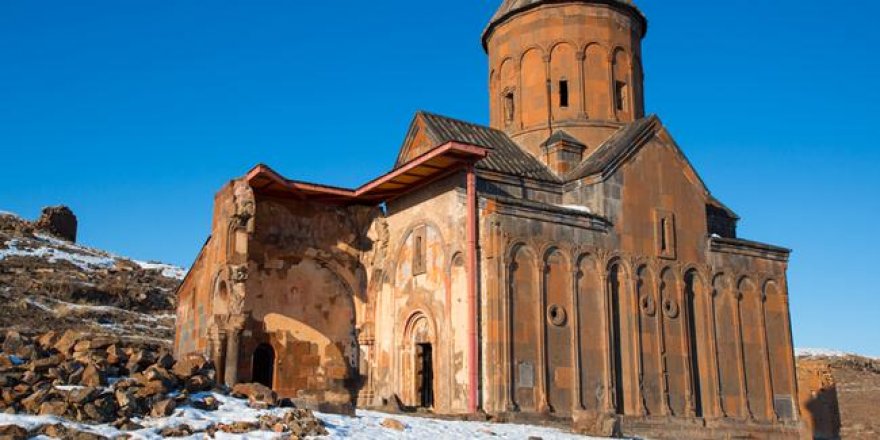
x,y
472,286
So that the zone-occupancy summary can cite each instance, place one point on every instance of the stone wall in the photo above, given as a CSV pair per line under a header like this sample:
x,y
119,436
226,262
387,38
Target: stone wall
x,y
422,299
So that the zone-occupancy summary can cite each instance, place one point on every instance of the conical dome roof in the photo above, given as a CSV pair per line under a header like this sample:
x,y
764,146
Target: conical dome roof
x,y
511,7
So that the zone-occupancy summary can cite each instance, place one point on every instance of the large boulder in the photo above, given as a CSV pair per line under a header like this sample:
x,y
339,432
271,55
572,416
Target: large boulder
x,y
67,341
163,408
13,432
93,376
58,221
53,408
256,393
190,365
13,342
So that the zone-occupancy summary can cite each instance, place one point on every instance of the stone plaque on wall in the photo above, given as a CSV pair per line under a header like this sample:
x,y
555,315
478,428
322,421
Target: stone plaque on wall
x,y
784,406
526,375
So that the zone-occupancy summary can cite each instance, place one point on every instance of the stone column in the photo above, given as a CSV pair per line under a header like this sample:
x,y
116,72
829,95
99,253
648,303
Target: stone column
x,y
718,403
218,351
233,341
745,407
577,347
582,83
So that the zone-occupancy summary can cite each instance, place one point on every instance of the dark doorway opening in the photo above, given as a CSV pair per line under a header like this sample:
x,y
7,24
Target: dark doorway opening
x,y
425,374
690,296
617,329
264,365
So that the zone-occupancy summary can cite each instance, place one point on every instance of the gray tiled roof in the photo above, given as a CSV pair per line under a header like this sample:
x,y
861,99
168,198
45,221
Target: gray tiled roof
x,y
505,156
613,149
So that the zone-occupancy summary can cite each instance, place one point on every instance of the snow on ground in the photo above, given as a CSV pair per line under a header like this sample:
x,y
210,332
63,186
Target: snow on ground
x,y
580,208
8,214
168,271
825,352
366,424
56,306
54,250
81,258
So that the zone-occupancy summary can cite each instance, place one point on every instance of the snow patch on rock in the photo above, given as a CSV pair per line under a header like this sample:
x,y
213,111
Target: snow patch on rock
x,y
168,271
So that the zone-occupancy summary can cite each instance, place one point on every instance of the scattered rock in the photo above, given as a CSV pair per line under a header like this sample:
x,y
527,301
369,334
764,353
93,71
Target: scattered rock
x,y
207,404
13,432
177,431
93,377
239,427
190,365
163,408
257,394
53,408
394,424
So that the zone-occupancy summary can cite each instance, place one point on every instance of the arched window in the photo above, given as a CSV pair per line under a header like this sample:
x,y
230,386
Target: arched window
x,y
509,107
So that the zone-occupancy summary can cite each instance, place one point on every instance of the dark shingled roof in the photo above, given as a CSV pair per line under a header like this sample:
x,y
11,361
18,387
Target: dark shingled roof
x,y
512,7
504,157
613,149
562,136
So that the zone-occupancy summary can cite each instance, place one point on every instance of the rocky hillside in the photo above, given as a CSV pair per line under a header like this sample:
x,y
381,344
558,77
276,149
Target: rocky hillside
x,y
48,282
840,394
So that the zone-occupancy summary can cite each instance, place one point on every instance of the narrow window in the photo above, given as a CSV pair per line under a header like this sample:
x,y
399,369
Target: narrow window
x,y
563,93
664,244
419,251
665,235
620,96
508,108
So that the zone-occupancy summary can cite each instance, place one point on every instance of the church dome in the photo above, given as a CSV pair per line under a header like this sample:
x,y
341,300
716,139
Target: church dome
x,y
510,8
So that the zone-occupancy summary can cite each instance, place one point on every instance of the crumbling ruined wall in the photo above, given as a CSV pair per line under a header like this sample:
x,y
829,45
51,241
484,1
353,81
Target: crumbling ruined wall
x,y
818,398
305,283
207,279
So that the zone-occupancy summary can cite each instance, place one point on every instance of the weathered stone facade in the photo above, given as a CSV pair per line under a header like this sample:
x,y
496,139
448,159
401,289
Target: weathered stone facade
x,y
566,263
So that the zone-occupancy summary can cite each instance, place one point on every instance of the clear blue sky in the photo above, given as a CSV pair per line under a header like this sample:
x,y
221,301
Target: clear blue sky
x,y
135,112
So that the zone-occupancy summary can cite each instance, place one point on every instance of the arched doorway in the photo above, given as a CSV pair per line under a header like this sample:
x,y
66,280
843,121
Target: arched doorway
x,y
264,365
419,362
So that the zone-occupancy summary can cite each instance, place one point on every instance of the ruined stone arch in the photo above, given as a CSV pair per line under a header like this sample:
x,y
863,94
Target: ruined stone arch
x,y
220,294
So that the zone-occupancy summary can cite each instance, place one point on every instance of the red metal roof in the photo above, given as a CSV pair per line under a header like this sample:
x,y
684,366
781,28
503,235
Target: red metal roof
x,y
434,164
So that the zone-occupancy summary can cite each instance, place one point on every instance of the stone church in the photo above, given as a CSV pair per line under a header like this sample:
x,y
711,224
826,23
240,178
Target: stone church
x,y
564,263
